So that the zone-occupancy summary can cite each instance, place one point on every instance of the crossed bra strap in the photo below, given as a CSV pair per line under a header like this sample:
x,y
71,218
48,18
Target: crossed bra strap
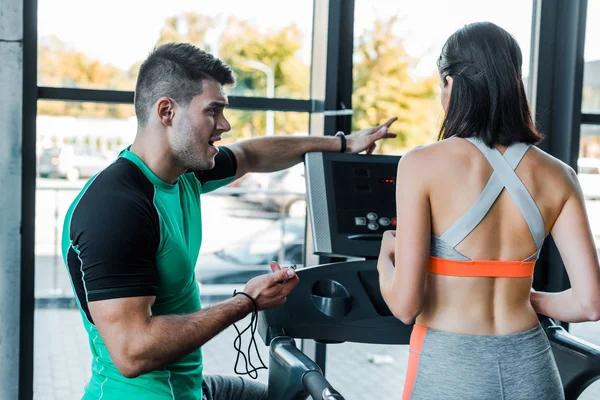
x,y
503,176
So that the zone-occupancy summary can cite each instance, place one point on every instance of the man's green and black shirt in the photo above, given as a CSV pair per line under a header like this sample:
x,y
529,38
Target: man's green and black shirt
x,y
127,234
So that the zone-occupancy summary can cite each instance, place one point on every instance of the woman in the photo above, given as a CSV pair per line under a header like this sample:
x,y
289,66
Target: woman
x,y
473,211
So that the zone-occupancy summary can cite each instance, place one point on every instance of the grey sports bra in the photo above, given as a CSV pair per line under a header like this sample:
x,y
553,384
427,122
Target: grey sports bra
x,y
503,176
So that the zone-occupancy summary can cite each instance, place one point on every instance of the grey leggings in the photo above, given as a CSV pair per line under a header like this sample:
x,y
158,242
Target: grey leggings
x,y
216,387
444,365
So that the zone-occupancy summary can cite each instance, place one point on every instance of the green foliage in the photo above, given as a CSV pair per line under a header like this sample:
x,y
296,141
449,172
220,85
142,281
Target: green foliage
x,y
242,42
188,27
383,85
62,66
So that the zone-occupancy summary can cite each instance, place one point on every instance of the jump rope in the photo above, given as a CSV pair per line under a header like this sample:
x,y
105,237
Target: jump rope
x,y
252,372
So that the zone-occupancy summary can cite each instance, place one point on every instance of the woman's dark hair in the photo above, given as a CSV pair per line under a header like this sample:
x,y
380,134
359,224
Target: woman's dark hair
x,y
488,98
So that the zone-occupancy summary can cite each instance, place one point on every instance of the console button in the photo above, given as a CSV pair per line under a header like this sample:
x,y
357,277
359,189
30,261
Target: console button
x,y
383,221
360,221
394,221
373,226
372,216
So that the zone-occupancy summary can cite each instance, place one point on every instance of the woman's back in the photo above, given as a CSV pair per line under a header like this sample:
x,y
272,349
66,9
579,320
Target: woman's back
x,y
457,177
473,211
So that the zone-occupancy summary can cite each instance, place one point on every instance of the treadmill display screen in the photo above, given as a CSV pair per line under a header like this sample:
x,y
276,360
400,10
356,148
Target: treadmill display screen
x,y
364,196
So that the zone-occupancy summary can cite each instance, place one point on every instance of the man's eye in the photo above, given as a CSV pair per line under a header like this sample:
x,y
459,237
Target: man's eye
x,y
212,111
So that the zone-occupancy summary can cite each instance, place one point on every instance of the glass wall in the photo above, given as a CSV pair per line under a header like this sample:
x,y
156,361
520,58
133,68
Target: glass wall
x,y
247,224
591,70
588,168
396,45
588,165
261,217
104,49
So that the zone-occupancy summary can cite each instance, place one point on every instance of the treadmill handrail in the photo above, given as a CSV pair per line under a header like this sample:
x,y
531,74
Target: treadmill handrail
x,y
292,374
318,387
562,337
580,359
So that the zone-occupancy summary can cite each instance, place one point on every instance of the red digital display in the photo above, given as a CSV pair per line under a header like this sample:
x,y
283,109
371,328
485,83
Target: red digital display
x,y
387,181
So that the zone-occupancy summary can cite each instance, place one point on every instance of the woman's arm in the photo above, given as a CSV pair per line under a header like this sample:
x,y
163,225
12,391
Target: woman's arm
x,y
402,287
563,306
573,237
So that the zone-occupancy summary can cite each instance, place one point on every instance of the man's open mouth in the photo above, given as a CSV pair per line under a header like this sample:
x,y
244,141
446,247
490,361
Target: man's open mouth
x,y
214,139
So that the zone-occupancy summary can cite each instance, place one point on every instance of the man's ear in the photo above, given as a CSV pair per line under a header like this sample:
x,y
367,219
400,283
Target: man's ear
x,y
165,108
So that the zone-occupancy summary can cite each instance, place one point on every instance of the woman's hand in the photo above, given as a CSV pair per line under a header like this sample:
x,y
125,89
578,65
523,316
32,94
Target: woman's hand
x,y
386,267
388,247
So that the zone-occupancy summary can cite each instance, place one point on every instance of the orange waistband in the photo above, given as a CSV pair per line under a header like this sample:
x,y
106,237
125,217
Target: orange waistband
x,y
481,268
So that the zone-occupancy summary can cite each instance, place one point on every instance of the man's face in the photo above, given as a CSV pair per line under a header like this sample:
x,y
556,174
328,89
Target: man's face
x,y
199,126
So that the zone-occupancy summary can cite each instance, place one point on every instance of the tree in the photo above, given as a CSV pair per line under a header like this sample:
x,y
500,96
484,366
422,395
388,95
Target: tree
x,y
242,42
62,66
188,27
383,87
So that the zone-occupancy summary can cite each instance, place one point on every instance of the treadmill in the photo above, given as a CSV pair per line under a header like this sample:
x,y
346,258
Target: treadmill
x,y
351,202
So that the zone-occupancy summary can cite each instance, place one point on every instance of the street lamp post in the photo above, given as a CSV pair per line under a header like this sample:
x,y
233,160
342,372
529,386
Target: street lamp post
x,y
270,91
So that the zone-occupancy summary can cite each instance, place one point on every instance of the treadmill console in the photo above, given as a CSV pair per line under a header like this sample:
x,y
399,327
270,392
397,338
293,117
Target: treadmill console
x,y
351,201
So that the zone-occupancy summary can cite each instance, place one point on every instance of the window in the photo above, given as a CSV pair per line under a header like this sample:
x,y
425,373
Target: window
x,y
396,47
589,151
591,69
270,56
588,171
244,229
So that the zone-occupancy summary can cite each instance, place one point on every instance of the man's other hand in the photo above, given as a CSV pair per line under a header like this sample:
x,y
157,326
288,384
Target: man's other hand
x,y
271,290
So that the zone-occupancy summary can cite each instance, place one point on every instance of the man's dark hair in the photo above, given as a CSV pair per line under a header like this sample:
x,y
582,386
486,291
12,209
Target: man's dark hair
x,y
176,70
488,98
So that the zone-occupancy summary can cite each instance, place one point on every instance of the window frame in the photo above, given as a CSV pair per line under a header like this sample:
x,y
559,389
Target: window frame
x,y
556,87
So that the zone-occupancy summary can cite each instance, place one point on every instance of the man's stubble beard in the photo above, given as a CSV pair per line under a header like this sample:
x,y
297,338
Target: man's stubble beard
x,y
185,148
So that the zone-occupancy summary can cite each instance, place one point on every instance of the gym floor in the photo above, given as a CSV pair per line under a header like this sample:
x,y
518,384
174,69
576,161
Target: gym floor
x,y
62,360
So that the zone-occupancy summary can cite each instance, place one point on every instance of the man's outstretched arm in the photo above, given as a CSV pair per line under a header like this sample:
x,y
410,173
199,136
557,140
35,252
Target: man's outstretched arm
x,y
139,342
269,154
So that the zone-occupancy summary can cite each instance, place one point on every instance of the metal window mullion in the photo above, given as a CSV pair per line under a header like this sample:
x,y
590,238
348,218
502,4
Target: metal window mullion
x,y
126,97
590,119
331,90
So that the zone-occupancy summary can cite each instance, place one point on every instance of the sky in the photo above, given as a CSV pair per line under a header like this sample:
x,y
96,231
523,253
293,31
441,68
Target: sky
x,y
122,32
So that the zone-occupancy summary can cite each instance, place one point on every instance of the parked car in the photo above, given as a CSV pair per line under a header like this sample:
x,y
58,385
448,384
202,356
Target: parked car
x,y
282,241
588,173
71,162
282,191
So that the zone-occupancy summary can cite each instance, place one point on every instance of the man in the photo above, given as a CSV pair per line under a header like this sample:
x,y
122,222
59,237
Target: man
x,y
132,236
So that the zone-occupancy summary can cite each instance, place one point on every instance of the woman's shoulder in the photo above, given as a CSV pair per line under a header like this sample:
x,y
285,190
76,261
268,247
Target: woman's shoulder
x,y
555,168
454,149
439,154
428,162
457,154
433,149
